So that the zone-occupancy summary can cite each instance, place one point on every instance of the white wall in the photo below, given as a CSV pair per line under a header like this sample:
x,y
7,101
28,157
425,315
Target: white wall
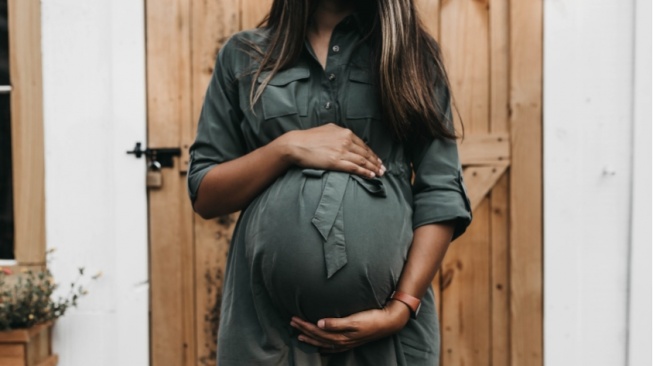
x,y
96,213
589,73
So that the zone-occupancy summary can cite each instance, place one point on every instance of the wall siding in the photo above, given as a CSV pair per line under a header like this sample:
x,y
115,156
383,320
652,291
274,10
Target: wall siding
x,y
588,93
94,111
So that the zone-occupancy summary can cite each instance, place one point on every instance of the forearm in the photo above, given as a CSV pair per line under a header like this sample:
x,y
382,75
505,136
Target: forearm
x,y
430,243
230,186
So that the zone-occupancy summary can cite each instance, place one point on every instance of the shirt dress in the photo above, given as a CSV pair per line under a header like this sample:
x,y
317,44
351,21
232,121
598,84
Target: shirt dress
x,y
319,243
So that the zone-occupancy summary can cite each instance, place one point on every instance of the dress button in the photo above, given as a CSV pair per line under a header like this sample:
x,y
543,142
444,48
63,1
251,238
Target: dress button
x,y
327,105
332,77
336,48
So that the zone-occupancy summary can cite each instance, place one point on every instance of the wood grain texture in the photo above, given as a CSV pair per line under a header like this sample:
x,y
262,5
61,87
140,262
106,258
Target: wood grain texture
x,y
429,13
252,12
466,308
50,361
500,275
12,355
499,196
485,149
481,180
27,347
466,287
213,23
499,65
526,182
27,130
171,237
23,335
464,37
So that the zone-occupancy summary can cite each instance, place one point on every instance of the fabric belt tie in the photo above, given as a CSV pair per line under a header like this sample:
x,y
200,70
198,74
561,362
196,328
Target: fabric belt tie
x,y
328,217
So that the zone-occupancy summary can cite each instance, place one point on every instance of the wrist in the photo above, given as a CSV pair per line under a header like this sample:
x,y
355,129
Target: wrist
x,y
284,148
398,311
410,301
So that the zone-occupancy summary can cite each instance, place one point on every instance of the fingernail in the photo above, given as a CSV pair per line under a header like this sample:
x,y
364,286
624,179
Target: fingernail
x,y
321,324
383,167
301,339
380,161
372,175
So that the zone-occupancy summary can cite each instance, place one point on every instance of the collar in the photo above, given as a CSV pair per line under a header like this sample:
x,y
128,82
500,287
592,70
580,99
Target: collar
x,y
358,20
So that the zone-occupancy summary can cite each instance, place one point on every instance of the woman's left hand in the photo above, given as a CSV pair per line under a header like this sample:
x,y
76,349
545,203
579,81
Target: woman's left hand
x,y
333,335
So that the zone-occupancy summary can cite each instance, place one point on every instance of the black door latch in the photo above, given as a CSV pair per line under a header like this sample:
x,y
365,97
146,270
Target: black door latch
x,y
162,155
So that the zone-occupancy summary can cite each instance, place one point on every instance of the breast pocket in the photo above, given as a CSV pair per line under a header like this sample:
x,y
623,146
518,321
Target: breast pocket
x,y
286,93
362,96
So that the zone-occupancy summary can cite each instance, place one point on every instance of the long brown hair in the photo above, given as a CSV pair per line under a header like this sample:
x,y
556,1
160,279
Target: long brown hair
x,y
413,83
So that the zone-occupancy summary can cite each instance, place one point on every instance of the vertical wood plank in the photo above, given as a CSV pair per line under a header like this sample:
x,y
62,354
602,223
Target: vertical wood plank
x,y
252,12
526,182
499,122
429,13
213,22
213,238
499,65
188,283
171,237
464,38
466,295
27,130
499,220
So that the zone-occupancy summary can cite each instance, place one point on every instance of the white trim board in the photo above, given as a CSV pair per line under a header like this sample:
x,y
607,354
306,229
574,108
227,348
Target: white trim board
x,y
96,205
591,187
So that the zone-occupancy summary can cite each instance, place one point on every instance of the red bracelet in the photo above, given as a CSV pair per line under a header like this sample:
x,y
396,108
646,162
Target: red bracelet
x,y
413,303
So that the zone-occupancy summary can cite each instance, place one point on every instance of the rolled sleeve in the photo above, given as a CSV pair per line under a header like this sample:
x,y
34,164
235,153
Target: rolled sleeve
x,y
219,138
439,192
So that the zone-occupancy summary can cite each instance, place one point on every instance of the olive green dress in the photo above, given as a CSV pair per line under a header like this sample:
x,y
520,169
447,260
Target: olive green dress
x,y
321,243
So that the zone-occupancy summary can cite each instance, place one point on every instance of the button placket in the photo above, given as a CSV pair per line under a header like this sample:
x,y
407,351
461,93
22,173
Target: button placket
x,y
330,110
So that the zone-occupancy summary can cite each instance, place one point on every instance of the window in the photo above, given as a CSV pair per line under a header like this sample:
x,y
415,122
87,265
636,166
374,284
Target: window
x,y
22,201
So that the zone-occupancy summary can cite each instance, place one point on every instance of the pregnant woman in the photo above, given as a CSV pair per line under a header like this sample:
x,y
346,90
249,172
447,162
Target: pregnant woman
x,y
330,127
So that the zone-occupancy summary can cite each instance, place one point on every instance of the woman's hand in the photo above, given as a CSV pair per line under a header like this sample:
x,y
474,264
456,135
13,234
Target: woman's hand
x,y
334,335
331,147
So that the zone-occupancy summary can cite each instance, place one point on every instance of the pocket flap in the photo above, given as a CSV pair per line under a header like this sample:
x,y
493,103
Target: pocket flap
x,y
362,76
285,77
313,173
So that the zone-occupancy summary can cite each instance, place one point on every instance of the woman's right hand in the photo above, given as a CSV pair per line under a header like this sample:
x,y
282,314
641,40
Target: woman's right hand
x,y
332,147
231,185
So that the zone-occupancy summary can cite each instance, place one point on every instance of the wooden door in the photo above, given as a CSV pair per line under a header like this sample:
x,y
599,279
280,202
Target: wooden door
x,y
490,285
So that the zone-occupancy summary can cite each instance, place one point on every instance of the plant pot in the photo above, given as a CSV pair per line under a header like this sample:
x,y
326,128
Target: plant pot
x,y
27,347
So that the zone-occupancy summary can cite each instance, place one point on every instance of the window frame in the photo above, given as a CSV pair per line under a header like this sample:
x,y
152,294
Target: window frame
x,y
27,142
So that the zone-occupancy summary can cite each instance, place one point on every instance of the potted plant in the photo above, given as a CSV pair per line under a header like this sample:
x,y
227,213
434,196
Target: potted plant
x,y
28,311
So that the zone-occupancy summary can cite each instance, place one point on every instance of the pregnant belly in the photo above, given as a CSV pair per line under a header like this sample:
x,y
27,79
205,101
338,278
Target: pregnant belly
x,y
327,244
